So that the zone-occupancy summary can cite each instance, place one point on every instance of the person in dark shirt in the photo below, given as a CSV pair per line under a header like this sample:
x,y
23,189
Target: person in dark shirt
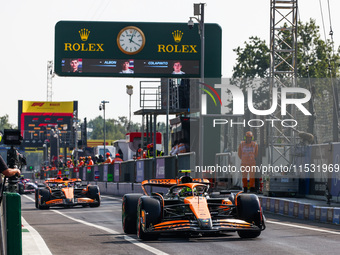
x,y
8,172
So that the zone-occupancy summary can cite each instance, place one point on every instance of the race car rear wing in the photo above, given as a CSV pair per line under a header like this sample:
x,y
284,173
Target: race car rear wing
x,y
167,183
171,182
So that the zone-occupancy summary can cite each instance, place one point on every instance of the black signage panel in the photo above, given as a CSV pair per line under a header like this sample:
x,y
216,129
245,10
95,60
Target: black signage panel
x,y
134,49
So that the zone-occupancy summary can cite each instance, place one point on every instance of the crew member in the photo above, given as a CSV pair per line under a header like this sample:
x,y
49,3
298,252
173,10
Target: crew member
x,y
174,149
69,164
150,151
139,153
90,161
247,152
108,158
82,162
117,159
182,148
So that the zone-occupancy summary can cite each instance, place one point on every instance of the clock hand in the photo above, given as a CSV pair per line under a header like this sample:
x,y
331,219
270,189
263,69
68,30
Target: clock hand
x,y
132,36
135,43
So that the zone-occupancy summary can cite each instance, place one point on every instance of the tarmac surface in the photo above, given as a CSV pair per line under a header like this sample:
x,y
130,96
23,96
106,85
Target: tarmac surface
x,y
33,244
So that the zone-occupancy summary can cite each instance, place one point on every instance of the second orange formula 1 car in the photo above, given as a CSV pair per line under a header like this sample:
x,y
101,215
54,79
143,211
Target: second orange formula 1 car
x,y
66,192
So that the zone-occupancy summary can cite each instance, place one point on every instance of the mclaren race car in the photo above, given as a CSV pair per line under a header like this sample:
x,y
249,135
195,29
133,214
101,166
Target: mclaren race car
x,y
67,193
189,207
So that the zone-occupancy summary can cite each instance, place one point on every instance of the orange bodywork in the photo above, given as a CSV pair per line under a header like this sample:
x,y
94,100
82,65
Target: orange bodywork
x,y
198,206
68,192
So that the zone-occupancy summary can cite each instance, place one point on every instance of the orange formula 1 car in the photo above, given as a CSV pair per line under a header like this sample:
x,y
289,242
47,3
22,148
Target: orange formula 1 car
x,y
188,207
66,192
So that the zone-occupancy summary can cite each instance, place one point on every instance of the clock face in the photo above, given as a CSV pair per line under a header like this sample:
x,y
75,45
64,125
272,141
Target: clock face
x,y
131,40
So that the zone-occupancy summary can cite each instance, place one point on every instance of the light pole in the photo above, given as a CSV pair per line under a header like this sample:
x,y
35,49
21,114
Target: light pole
x,y
199,12
65,148
102,107
129,91
75,129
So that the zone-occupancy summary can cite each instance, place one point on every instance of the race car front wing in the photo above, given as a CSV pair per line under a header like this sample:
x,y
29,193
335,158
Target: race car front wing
x,y
70,201
218,225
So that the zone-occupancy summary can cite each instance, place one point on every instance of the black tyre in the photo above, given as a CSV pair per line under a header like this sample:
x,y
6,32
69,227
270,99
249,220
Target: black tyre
x,y
36,198
248,209
149,213
93,191
21,188
45,196
129,213
96,204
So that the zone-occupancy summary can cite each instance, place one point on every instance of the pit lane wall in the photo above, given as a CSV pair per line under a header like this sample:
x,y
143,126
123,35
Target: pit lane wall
x,y
304,211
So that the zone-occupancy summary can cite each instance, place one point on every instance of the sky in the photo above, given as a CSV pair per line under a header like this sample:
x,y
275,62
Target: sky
x,y
27,43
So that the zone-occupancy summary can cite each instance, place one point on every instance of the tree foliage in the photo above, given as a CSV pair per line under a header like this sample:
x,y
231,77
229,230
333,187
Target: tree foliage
x,y
4,123
315,57
253,60
115,129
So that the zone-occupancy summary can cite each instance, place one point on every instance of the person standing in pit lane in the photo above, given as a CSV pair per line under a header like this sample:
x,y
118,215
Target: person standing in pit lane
x,y
247,152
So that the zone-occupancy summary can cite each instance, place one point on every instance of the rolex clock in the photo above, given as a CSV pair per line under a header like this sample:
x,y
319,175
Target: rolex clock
x,y
131,40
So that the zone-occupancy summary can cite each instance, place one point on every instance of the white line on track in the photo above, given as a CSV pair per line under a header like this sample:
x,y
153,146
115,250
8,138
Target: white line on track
x,y
111,231
29,198
33,241
303,227
113,198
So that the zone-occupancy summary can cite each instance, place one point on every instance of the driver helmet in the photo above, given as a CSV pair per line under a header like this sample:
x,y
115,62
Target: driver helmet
x,y
185,192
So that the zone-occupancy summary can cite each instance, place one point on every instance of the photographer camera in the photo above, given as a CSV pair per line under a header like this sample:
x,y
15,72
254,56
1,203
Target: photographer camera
x,y
14,158
4,169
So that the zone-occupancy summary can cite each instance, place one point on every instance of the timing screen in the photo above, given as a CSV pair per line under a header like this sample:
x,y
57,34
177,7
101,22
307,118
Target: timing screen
x,y
131,66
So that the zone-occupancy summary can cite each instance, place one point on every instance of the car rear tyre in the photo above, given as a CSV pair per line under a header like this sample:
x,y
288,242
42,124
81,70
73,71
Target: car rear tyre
x,y
249,210
129,213
149,214
21,188
45,197
36,198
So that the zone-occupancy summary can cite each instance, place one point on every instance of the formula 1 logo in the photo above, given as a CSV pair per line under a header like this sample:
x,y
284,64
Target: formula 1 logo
x,y
37,104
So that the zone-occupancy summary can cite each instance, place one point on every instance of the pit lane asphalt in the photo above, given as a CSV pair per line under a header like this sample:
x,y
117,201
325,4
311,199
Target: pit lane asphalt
x,y
98,231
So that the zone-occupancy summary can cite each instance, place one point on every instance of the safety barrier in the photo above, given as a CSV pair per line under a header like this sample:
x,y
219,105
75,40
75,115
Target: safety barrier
x,y
132,170
301,210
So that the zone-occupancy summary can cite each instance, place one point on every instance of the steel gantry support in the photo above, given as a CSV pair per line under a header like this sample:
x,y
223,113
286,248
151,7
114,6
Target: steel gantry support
x,y
283,71
50,75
